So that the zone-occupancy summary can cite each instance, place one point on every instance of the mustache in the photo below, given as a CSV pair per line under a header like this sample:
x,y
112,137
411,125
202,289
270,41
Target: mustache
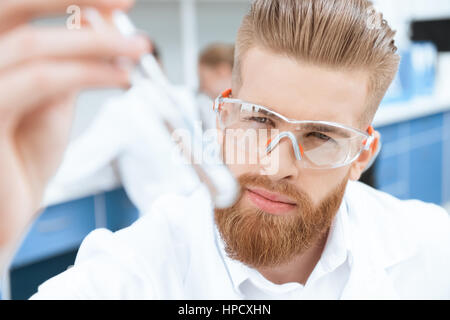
x,y
281,187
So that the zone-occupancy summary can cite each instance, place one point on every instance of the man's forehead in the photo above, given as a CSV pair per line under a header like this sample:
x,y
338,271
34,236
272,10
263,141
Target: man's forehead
x,y
303,91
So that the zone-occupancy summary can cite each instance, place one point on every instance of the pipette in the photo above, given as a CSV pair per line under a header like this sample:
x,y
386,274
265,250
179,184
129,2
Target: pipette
x,y
221,184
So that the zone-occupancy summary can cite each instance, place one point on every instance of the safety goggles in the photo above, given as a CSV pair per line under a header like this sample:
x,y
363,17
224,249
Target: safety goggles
x,y
316,144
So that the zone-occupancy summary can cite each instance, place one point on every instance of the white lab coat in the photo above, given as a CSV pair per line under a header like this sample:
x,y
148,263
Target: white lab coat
x,y
398,250
127,139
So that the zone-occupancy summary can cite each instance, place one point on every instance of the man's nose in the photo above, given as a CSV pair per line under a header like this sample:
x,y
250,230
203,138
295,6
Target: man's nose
x,y
297,148
286,158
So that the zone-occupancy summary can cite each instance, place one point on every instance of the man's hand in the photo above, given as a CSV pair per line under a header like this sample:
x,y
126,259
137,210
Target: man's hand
x,y
41,72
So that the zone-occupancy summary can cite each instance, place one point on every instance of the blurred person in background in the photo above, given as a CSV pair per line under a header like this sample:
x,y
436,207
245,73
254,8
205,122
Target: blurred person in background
x,y
215,71
127,139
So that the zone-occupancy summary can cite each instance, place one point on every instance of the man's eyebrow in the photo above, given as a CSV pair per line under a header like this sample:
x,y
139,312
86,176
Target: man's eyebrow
x,y
326,129
308,126
259,109
256,107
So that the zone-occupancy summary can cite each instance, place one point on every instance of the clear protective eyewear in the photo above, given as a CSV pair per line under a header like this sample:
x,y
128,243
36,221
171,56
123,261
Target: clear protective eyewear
x,y
317,144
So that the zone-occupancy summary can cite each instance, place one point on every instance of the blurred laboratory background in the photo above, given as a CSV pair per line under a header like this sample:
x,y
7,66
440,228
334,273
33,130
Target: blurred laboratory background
x,y
414,121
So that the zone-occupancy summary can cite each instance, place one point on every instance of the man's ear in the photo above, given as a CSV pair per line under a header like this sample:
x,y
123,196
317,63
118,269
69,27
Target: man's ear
x,y
358,167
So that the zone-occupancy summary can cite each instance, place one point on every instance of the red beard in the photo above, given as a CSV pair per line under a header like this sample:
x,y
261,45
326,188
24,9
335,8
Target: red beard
x,y
259,239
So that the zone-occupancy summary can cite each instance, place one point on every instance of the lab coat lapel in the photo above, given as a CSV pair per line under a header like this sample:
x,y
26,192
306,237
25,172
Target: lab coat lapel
x,y
368,281
368,278
377,243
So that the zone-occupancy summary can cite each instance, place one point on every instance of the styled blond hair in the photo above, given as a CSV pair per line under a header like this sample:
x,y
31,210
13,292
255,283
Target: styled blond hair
x,y
339,34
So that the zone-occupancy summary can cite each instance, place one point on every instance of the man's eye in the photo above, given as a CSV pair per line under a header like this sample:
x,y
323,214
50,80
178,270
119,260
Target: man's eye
x,y
319,135
261,120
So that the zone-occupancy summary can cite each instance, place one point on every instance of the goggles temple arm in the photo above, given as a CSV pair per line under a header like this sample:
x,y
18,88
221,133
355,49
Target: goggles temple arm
x,y
369,142
218,102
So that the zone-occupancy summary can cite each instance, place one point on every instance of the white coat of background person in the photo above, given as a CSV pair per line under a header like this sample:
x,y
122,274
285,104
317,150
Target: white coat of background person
x,y
127,139
126,144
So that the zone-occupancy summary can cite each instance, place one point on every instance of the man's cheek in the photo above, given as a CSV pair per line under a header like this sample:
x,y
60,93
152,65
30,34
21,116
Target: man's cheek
x,y
318,184
242,155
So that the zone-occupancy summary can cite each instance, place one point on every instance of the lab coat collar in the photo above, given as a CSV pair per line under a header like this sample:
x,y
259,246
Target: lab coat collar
x,y
338,246
386,238
237,271
377,244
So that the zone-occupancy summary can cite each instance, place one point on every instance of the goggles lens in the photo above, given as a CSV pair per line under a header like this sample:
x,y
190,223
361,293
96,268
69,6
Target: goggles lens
x,y
320,144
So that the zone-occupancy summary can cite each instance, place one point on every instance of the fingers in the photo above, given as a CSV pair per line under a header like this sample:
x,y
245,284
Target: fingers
x,y
27,43
42,137
31,85
15,12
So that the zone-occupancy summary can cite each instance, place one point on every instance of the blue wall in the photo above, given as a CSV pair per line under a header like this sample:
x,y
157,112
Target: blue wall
x,y
414,162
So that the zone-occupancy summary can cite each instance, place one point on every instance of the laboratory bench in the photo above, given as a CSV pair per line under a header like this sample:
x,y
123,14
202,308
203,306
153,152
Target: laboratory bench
x,y
414,163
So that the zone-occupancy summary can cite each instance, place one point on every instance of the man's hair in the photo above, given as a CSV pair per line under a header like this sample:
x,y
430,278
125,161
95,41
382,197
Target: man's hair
x,y
337,34
217,54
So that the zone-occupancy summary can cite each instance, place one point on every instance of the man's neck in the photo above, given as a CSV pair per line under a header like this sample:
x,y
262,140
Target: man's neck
x,y
298,269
